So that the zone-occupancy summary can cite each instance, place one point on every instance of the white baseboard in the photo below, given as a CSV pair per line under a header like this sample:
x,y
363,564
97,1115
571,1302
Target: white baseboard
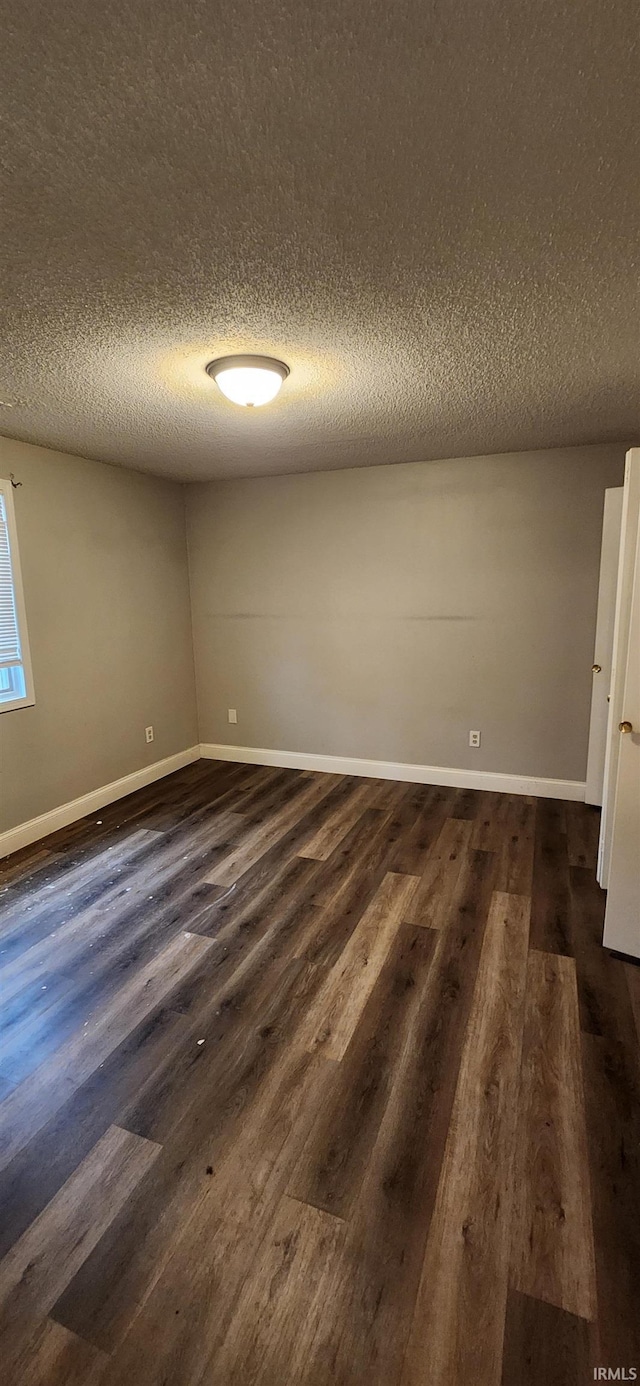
x,y
46,823
26,833
399,770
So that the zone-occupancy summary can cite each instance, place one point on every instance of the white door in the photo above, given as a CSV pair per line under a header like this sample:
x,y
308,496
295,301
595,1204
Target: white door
x,y
601,670
622,916
626,567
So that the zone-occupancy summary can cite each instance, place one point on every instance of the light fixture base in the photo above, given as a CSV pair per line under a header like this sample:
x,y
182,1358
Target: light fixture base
x,y
228,363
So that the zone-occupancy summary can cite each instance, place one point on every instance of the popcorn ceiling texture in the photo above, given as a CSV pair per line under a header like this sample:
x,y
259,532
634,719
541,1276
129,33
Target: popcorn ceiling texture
x,y
429,209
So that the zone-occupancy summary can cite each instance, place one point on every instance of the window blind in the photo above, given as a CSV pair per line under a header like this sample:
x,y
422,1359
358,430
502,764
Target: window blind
x,y
10,652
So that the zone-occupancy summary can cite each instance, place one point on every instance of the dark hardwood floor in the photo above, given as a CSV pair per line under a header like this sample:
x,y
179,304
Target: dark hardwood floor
x,y
309,1080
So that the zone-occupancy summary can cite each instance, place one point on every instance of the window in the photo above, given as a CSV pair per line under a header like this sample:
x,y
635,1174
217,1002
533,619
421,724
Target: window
x,y
16,685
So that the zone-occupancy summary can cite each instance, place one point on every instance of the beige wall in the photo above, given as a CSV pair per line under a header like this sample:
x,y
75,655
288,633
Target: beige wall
x,y
384,612
106,586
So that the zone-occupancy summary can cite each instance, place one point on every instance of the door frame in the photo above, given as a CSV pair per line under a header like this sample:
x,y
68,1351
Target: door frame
x,y
603,646
624,594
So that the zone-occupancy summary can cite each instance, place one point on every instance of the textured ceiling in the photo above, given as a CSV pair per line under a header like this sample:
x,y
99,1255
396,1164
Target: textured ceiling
x,y
428,208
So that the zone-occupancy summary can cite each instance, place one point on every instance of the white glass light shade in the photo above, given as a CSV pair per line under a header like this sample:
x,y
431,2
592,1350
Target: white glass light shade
x,y
248,380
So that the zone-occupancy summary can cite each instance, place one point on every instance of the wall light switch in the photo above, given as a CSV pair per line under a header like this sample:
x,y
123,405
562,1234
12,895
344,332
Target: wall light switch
x,y
148,734
232,715
474,738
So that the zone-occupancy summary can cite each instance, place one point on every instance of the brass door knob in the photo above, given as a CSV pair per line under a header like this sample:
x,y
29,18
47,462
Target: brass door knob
x,y
596,668
625,726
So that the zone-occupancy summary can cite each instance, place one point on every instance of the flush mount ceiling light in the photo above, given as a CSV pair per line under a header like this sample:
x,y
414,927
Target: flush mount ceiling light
x,y
248,380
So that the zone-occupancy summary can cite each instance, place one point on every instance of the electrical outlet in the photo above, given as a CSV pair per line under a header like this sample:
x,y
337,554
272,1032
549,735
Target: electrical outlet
x,y
232,715
474,738
148,734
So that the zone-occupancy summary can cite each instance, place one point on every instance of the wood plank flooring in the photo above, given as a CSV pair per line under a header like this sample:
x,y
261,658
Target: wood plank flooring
x,y
308,1080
